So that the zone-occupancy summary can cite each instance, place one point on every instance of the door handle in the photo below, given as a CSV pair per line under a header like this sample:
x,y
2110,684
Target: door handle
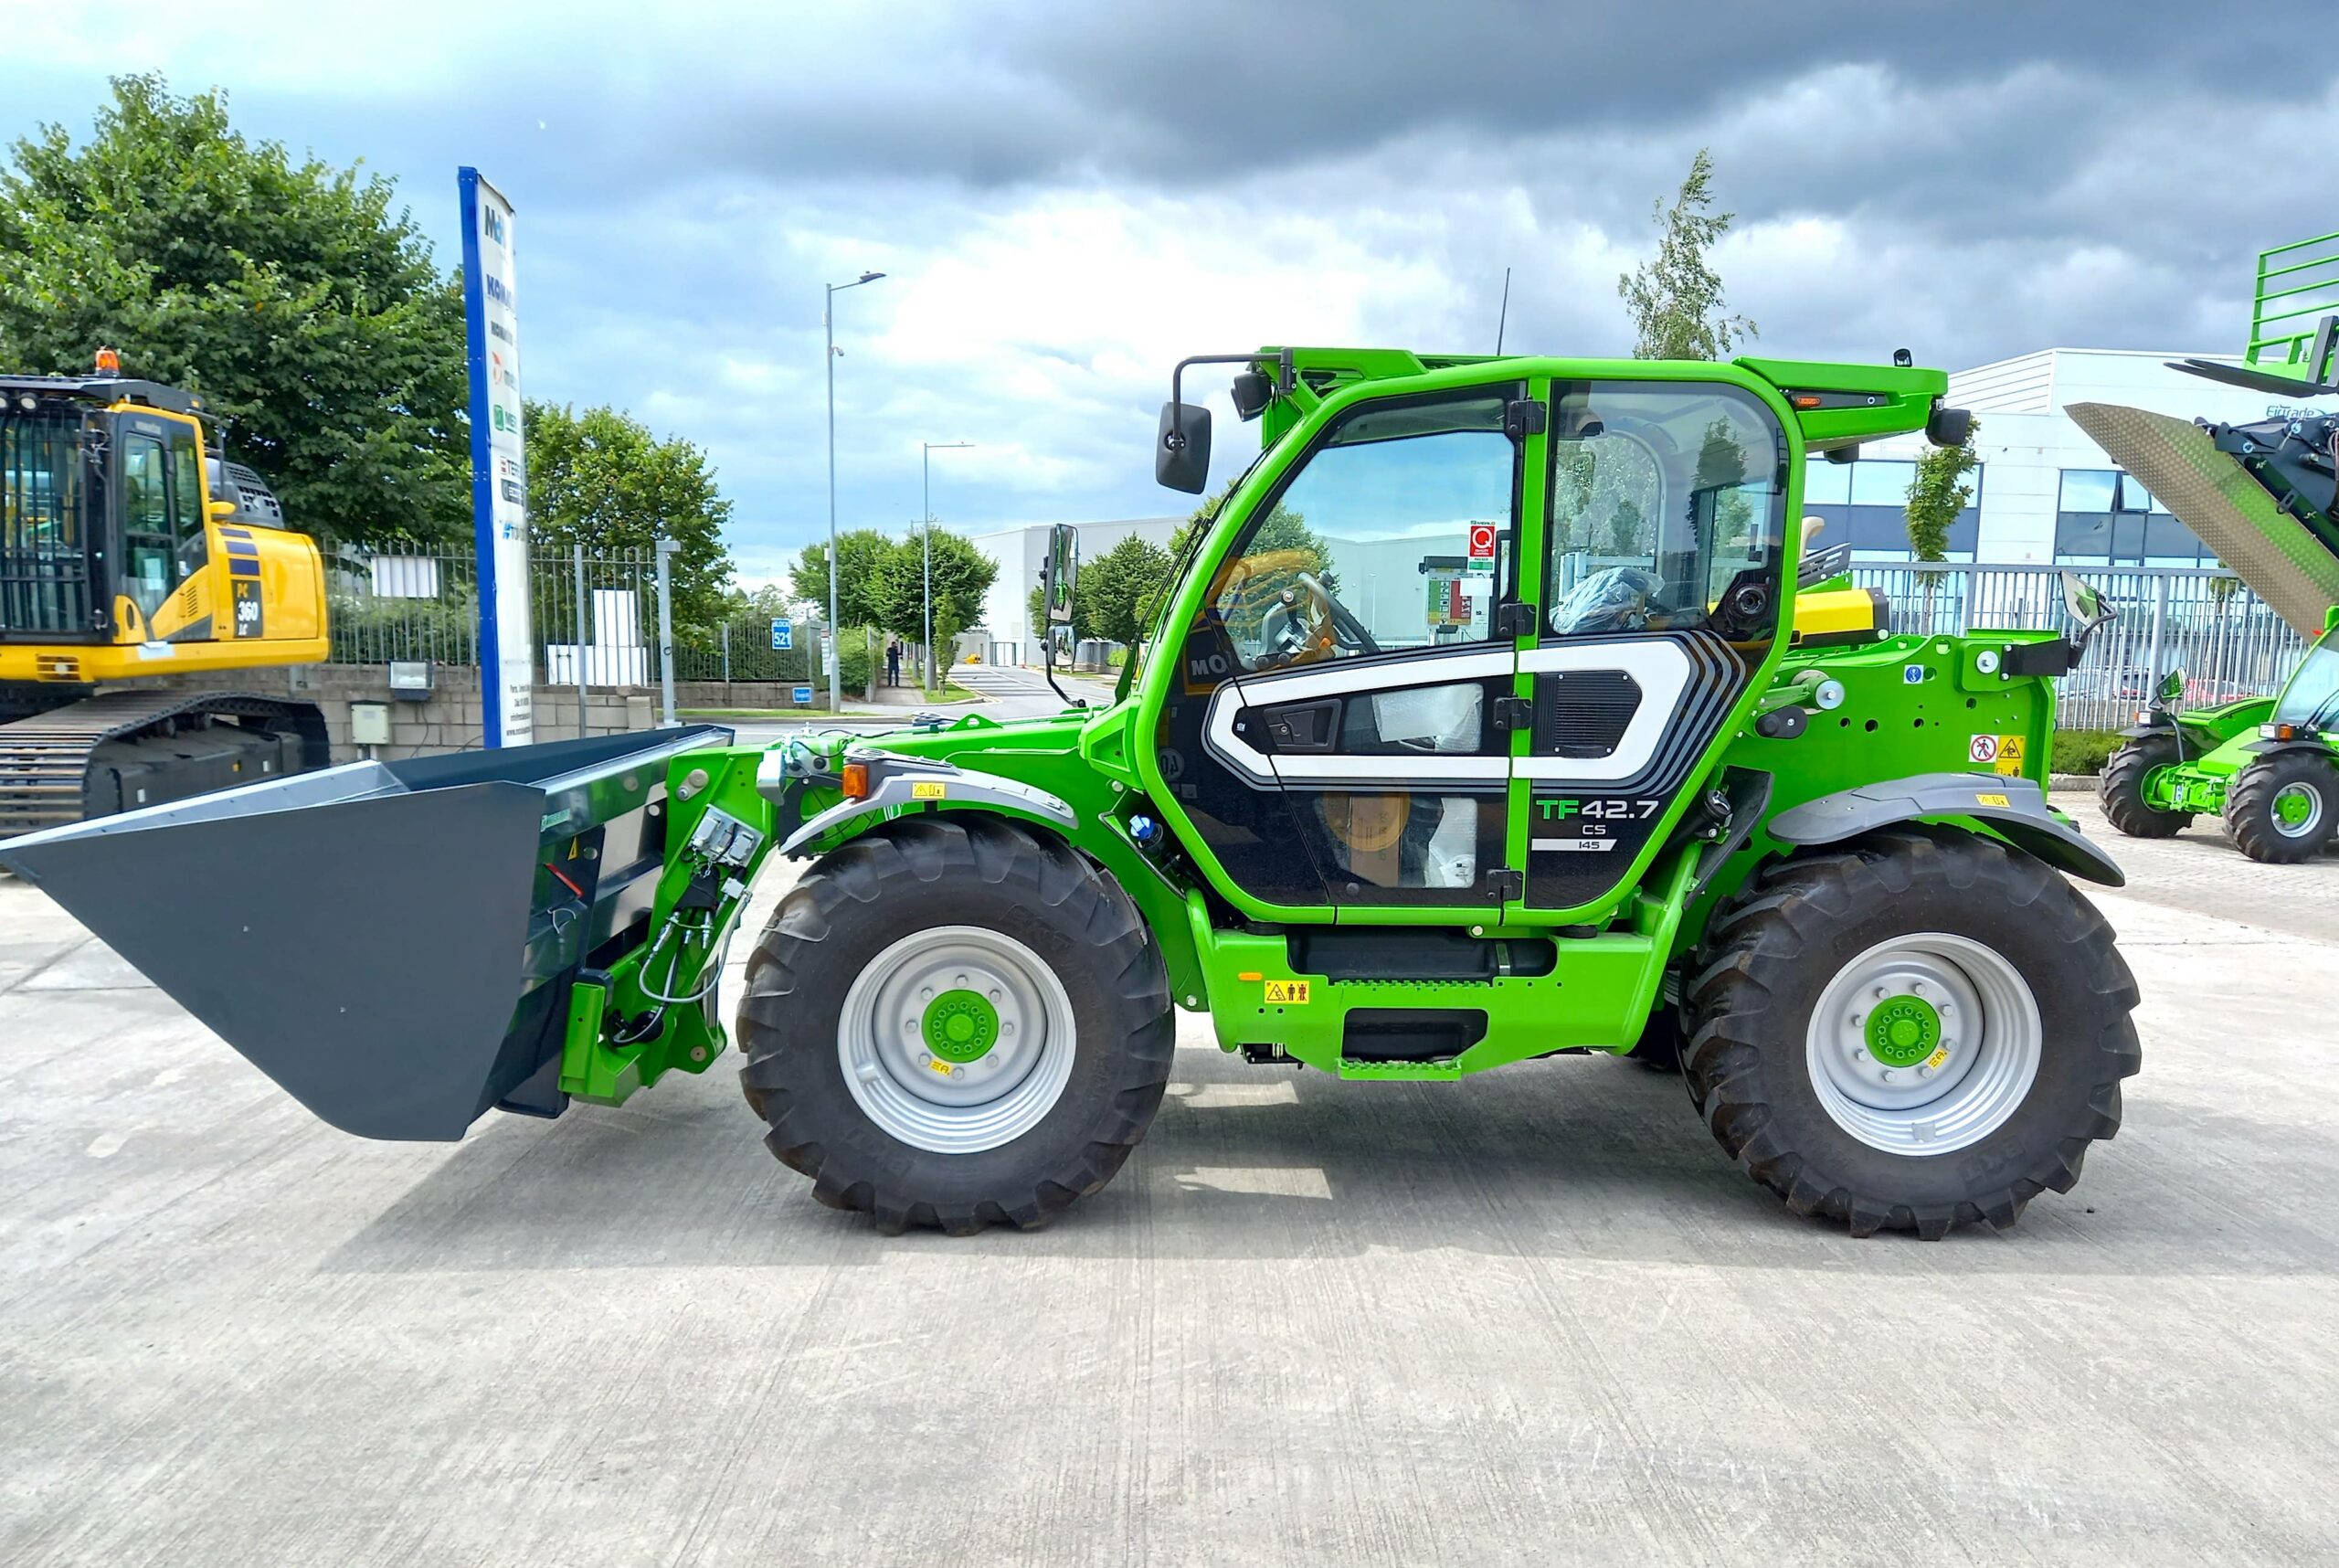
x,y
1303,727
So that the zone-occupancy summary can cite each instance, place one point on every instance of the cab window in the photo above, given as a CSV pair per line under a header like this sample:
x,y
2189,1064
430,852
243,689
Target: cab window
x,y
1393,536
1666,510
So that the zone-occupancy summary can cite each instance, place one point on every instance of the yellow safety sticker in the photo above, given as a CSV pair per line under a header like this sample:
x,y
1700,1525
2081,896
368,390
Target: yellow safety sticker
x,y
1941,1054
2010,751
929,790
1991,800
939,1065
1292,993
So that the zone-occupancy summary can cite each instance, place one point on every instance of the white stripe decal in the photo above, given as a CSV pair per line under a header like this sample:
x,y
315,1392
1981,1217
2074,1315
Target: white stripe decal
x,y
1259,692
1659,666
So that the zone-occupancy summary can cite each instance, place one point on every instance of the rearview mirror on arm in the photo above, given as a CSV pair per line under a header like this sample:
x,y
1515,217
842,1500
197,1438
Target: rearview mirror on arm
x,y
1182,451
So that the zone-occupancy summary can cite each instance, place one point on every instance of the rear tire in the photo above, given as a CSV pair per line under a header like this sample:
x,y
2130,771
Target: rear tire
x,y
1780,1063
1047,975
2121,788
2283,808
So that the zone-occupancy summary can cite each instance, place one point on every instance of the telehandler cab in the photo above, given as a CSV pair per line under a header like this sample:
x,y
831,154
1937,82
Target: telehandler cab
x,y
1474,728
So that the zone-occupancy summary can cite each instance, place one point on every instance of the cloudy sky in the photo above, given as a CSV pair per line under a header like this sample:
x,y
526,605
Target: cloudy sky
x,y
1068,197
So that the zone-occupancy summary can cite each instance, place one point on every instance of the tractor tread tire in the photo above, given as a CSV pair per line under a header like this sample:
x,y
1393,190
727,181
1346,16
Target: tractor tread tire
x,y
956,870
2249,807
1766,958
2122,789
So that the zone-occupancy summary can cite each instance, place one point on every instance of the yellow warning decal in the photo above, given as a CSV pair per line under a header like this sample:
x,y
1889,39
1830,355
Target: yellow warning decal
x,y
1991,800
1941,1054
939,1065
1291,993
928,790
2010,752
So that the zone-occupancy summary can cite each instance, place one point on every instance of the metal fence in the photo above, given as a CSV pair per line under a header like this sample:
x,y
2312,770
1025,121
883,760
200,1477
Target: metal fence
x,y
2205,621
596,621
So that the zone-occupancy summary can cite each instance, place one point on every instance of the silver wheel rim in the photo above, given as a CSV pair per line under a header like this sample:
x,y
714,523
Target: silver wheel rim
x,y
902,1085
1976,1069
2308,820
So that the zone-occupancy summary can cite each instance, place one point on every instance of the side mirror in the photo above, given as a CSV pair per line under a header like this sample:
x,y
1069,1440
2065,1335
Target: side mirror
x,y
1061,572
1251,392
2088,607
2171,686
1182,451
222,510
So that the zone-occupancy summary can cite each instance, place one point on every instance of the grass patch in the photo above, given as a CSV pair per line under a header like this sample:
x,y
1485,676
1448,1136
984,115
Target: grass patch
x,y
2085,750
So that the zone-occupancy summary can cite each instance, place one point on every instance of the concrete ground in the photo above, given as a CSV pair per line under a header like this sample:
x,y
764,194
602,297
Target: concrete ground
x,y
1529,1317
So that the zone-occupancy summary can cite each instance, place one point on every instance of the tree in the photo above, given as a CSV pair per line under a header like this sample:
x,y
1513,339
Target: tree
x,y
1942,487
861,558
1676,298
601,480
1120,584
312,319
962,575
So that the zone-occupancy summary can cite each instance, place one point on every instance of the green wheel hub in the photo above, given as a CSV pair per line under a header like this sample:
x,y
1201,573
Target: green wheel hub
x,y
2294,807
960,1026
1903,1030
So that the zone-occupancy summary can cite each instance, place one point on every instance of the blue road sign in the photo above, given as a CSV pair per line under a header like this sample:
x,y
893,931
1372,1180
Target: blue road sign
x,y
803,696
783,635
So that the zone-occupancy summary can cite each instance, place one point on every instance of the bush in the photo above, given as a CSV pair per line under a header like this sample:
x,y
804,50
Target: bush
x,y
2084,750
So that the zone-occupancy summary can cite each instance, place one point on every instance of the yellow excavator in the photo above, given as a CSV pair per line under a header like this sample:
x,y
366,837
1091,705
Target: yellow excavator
x,y
131,551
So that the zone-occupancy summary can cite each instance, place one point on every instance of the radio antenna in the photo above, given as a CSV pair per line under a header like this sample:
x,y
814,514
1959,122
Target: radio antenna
x,y
1504,319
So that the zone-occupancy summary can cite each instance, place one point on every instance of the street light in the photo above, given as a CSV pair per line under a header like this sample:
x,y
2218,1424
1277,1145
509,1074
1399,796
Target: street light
x,y
926,490
828,363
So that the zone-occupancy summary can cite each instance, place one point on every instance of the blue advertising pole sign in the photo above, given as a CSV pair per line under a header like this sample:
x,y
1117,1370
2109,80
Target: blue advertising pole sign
x,y
507,662
783,636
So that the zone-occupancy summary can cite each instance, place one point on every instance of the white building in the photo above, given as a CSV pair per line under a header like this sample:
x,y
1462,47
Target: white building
x,y
2045,494
1021,551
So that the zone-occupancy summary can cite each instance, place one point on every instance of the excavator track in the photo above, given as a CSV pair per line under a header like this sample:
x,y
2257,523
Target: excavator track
x,y
119,750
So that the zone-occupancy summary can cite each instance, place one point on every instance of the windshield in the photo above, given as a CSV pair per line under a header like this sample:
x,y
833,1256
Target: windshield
x,y
44,565
2312,694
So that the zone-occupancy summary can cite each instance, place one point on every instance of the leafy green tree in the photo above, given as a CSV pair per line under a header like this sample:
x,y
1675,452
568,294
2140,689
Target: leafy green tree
x,y
1676,297
1942,487
308,315
962,575
601,479
1120,584
862,555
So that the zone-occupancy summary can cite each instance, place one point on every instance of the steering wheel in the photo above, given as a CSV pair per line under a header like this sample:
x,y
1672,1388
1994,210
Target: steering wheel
x,y
1346,630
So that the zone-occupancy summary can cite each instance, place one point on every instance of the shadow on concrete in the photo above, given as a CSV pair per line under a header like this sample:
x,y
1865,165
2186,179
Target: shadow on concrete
x,y
1581,1158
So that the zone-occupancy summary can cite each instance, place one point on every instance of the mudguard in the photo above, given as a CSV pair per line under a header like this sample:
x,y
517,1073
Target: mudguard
x,y
2014,808
898,783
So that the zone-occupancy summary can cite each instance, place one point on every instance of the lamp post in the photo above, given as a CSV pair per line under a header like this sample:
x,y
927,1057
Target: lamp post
x,y
829,363
926,494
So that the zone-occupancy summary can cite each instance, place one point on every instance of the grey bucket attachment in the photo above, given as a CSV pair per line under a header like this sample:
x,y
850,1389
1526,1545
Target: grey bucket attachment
x,y
393,943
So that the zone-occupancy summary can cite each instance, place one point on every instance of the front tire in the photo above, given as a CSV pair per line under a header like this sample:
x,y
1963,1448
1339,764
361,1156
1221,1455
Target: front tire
x,y
2284,808
1916,1029
2126,804
955,1022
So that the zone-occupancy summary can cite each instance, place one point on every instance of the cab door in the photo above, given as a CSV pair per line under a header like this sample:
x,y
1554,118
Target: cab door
x,y
1342,734
1661,570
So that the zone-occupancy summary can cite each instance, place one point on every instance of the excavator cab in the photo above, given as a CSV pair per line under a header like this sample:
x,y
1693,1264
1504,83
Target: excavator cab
x,y
131,549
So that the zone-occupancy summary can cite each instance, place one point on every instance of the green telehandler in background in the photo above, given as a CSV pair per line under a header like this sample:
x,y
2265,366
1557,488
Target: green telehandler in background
x,y
1474,728
2265,496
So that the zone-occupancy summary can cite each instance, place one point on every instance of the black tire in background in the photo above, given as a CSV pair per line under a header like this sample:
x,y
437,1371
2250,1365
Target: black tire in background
x,y
2254,805
926,874
2121,788
1770,954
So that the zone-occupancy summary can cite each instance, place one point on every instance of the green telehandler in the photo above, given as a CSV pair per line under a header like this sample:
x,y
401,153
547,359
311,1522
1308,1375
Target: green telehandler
x,y
2265,496
1474,728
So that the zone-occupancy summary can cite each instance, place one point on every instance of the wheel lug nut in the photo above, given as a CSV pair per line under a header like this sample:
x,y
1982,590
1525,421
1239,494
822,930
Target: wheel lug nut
x,y
926,995
1856,1020
1917,988
1924,1072
1888,1074
961,980
994,993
